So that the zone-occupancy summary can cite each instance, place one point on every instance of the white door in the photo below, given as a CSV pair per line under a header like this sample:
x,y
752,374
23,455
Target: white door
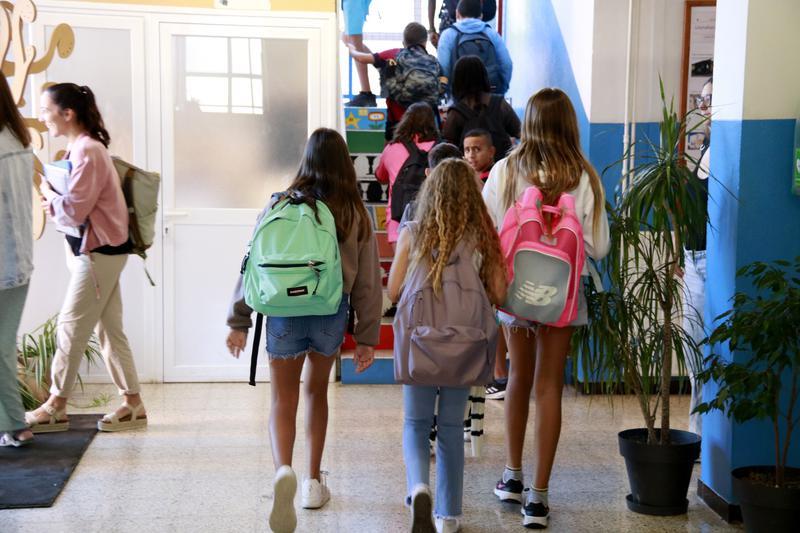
x,y
238,102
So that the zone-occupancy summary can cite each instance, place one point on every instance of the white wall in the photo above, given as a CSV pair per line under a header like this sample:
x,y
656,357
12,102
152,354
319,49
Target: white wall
x,y
658,49
575,18
773,58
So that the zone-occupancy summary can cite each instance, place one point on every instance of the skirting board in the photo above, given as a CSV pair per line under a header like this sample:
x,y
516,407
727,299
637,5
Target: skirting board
x,y
729,512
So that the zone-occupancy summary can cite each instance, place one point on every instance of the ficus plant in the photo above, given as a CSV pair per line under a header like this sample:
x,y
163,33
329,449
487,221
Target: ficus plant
x,y
764,326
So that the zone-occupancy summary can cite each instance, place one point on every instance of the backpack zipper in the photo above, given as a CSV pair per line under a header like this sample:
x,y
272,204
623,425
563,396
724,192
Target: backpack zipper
x,y
313,265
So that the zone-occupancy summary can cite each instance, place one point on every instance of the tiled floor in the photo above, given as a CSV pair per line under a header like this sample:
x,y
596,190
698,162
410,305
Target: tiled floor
x,y
204,465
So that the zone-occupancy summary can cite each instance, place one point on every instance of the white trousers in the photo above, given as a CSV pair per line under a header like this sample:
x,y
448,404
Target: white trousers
x,y
93,303
694,279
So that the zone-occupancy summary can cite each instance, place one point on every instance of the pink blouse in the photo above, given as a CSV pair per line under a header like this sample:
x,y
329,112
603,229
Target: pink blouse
x,y
392,159
94,197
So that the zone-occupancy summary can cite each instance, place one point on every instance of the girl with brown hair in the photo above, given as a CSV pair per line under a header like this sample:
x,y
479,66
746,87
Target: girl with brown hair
x,y
416,134
549,157
449,212
326,174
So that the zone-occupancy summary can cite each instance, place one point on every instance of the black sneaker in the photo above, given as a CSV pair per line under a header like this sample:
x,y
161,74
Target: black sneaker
x,y
509,491
535,515
496,390
362,99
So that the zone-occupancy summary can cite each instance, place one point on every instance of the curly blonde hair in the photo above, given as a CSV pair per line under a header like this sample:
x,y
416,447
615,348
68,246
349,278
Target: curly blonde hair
x,y
451,209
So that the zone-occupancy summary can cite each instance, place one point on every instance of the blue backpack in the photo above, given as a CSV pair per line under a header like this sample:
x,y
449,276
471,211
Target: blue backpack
x,y
478,44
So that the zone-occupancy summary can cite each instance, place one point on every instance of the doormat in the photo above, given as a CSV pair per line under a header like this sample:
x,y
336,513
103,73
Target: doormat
x,y
34,475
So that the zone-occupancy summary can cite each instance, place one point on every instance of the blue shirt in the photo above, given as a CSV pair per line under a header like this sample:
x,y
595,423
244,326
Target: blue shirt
x,y
448,39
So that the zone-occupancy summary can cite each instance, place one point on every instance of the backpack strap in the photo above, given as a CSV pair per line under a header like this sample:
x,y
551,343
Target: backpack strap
x,y
133,223
411,147
254,355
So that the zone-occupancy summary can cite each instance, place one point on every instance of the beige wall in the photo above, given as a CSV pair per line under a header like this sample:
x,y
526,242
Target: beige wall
x,y
277,5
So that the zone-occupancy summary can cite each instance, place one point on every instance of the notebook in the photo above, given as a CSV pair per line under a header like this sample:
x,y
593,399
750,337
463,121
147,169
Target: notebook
x,y
57,175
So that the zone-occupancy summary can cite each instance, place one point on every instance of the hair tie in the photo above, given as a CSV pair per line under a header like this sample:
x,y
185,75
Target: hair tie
x,y
84,90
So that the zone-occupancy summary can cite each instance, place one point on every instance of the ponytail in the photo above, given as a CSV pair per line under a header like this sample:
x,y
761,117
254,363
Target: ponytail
x,y
81,100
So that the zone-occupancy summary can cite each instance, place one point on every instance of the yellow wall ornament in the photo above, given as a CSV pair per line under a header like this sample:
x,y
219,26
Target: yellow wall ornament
x,y
13,17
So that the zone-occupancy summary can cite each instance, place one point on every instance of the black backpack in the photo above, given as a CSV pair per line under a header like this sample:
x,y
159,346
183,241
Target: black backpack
x,y
478,44
488,118
409,179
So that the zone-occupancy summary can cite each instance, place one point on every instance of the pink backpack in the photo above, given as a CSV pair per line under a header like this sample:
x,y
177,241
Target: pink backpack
x,y
544,260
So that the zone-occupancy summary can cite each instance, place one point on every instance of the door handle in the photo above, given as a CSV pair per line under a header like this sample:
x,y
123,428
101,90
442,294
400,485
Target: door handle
x,y
173,214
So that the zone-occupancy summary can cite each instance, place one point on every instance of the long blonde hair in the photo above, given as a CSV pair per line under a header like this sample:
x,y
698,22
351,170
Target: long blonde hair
x,y
550,148
451,209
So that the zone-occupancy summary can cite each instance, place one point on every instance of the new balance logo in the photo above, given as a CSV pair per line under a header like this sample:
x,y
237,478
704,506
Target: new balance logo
x,y
533,294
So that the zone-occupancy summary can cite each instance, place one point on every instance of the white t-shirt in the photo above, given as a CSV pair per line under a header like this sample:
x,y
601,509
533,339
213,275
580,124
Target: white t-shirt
x,y
596,247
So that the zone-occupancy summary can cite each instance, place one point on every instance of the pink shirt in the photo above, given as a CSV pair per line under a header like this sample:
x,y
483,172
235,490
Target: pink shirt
x,y
392,159
94,197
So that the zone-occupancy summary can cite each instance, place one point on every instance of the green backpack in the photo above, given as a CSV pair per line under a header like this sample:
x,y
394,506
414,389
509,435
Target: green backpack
x,y
293,267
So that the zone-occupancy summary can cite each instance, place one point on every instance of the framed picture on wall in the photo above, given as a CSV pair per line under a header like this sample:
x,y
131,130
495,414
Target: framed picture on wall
x,y
699,24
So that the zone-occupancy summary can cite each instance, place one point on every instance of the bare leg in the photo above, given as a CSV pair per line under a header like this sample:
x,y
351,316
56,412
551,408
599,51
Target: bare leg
x,y
500,368
316,394
361,68
285,390
553,347
521,349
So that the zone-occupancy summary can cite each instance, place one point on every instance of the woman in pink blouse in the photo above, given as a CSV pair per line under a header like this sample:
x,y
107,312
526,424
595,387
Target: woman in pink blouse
x,y
94,203
417,130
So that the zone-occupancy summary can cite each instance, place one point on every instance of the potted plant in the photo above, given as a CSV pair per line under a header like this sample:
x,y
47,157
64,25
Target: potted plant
x,y
765,324
34,358
635,329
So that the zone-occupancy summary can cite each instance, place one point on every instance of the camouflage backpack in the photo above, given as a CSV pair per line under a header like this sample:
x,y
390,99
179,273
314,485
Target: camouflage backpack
x,y
413,76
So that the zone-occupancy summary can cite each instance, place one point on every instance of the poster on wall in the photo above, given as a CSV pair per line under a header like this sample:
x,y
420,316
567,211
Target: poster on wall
x,y
698,67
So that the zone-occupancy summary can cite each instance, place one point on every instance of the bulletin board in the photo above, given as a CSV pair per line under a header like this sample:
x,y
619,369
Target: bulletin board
x,y
699,24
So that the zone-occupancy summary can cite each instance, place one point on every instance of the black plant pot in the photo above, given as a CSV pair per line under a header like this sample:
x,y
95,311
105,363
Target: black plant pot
x,y
659,475
766,508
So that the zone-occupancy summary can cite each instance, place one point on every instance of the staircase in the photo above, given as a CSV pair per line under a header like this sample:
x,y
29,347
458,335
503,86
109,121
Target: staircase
x,y
365,139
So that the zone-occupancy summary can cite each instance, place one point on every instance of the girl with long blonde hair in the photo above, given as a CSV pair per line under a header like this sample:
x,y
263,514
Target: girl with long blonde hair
x,y
549,157
450,212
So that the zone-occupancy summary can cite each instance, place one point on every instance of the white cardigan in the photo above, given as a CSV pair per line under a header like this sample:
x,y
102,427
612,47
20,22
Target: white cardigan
x,y
596,247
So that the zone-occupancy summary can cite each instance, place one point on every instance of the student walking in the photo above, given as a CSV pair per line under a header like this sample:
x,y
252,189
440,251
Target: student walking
x,y
325,183
404,161
548,157
471,36
452,251
474,107
94,204
16,259
408,75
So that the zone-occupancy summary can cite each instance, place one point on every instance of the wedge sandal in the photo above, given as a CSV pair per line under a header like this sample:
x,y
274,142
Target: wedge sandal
x,y
57,422
136,418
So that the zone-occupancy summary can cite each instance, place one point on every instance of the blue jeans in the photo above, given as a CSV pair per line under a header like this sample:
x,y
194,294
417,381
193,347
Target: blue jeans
x,y
12,415
292,337
419,405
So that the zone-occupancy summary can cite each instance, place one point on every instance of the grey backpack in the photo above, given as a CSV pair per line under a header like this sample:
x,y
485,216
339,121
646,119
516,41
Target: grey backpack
x,y
449,340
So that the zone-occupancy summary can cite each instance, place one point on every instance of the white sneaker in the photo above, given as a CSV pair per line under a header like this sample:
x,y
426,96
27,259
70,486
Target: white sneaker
x,y
315,494
447,525
282,518
421,510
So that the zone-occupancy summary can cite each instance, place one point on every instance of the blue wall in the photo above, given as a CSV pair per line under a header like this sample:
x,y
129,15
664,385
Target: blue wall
x,y
756,218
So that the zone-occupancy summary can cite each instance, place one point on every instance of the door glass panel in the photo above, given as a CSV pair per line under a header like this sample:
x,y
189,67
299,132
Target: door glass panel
x,y
101,60
240,118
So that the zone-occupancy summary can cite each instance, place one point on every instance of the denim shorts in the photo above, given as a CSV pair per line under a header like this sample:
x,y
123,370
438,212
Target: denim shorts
x,y
292,337
581,318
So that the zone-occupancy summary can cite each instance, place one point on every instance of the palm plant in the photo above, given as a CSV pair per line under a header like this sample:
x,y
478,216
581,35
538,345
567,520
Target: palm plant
x,y
634,329
34,360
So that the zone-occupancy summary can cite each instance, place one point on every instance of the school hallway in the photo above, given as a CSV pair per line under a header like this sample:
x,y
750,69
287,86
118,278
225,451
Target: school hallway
x,y
204,464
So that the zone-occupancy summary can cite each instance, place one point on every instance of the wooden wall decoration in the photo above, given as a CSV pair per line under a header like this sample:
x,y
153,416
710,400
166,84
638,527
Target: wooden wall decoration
x,y
13,18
